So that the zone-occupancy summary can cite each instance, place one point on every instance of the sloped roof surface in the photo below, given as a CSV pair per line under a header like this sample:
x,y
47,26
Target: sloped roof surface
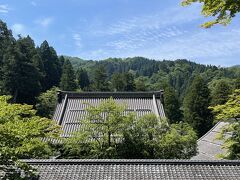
x,y
71,106
209,147
135,169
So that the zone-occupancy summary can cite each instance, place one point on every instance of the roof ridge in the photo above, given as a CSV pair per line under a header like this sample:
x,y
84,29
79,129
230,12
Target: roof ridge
x,y
147,94
134,161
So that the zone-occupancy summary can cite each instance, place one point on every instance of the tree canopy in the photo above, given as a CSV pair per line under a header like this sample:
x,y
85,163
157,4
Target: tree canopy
x,y
222,10
230,112
110,133
22,135
196,105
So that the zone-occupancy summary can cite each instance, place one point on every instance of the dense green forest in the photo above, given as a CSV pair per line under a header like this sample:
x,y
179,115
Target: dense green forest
x,y
28,71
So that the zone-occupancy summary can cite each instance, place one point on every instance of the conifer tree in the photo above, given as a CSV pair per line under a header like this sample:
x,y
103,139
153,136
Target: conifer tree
x,y
196,104
6,43
51,64
129,80
172,106
20,78
100,82
82,79
68,77
220,93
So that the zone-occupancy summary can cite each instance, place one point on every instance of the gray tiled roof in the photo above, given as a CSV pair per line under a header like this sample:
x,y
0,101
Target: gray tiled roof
x,y
208,146
135,169
71,106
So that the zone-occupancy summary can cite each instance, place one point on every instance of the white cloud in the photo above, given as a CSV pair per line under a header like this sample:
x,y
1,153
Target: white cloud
x,y
4,8
45,22
78,40
18,29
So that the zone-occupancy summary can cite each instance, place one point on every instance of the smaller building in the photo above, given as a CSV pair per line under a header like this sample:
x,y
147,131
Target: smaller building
x,y
135,169
71,106
209,147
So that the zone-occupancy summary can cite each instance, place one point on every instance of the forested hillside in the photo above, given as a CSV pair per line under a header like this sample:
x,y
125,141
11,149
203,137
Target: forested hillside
x,y
155,75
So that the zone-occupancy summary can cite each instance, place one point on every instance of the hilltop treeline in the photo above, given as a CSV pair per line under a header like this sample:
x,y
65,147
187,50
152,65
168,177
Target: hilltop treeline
x,y
155,75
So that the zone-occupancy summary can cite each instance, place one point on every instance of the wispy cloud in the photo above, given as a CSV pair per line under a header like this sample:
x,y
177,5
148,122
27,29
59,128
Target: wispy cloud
x,y
203,46
45,22
170,17
18,29
4,8
33,3
77,39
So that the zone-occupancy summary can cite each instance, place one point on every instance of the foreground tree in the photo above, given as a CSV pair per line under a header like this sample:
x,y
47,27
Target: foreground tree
x,y
110,133
223,10
230,112
21,136
104,126
196,104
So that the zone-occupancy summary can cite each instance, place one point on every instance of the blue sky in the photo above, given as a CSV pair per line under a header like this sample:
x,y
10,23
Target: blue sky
x,y
98,29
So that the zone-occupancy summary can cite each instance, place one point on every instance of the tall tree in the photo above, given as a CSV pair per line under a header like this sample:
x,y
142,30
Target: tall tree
x,y
172,106
220,92
6,43
117,82
51,64
20,78
196,104
83,79
100,82
68,77
223,10
129,80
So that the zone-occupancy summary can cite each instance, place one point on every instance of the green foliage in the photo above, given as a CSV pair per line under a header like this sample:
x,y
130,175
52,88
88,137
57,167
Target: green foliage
x,y
82,79
142,83
152,138
100,82
221,92
196,105
172,106
109,133
104,126
67,82
230,111
21,136
129,81
223,10
52,66
123,81
46,103
117,82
